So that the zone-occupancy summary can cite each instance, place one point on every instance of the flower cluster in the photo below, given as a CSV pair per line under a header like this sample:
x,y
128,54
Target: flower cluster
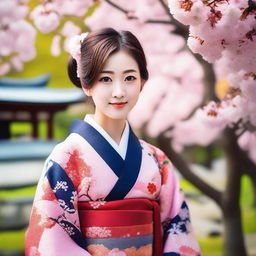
x,y
151,187
17,36
74,48
60,185
223,32
218,29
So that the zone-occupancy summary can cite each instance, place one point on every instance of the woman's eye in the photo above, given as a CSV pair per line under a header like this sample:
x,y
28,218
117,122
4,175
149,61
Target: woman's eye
x,y
105,79
130,78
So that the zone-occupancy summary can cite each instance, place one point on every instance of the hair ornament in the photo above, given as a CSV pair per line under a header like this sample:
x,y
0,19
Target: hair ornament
x,y
74,48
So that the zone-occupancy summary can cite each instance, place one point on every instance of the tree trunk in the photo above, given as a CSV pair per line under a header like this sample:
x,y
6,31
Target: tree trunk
x,y
233,233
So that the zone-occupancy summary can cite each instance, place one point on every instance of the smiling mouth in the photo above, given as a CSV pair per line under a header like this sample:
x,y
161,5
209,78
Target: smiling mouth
x,y
118,104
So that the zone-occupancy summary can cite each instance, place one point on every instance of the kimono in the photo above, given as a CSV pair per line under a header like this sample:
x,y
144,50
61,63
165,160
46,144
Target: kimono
x,y
93,200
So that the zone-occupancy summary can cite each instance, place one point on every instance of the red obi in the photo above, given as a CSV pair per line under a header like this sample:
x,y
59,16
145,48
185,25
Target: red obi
x,y
131,226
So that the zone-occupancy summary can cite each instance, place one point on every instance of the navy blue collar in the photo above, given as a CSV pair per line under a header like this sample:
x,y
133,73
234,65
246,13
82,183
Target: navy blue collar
x,y
126,169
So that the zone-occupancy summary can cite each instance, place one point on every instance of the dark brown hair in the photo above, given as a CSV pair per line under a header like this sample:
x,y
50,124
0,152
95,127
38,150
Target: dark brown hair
x,y
95,50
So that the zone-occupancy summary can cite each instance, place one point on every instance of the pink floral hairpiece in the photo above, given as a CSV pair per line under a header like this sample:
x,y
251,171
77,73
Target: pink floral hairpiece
x,y
74,48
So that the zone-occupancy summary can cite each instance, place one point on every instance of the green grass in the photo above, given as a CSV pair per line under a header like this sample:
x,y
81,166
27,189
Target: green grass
x,y
246,201
211,246
18,192
187,186
12,240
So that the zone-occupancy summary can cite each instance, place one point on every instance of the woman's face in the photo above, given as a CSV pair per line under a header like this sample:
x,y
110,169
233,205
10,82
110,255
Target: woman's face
x,y
117,88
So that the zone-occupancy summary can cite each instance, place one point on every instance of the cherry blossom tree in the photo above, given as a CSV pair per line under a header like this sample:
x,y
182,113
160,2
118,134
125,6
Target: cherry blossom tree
x,y
190,45
223,33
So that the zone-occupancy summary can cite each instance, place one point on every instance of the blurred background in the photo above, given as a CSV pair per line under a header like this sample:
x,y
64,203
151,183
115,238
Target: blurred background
x,y
198,106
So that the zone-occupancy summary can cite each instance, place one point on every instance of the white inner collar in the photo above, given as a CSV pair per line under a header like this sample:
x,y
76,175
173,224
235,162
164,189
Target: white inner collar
x,y
121,149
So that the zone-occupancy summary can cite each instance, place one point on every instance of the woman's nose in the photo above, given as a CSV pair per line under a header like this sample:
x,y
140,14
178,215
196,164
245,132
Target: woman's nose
x,y
118,90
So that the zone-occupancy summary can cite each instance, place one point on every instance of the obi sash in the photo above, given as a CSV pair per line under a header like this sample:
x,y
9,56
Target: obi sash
x,y
127,225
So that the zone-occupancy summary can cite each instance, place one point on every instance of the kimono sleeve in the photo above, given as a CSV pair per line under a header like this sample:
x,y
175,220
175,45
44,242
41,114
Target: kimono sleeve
x,y
177,230
54,222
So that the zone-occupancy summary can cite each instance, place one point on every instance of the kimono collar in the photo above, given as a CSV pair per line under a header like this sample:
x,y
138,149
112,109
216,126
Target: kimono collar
x,y
122,147
127,170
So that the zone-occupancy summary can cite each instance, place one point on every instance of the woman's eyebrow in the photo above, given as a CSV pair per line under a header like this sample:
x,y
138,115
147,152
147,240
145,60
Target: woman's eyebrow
x,y
107,71
130,71
124,72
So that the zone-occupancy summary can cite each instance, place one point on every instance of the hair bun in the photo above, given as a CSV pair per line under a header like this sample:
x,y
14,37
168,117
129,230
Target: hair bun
x,y
72,72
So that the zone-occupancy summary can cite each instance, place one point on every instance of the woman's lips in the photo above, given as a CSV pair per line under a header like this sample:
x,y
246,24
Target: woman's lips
x,y
118,104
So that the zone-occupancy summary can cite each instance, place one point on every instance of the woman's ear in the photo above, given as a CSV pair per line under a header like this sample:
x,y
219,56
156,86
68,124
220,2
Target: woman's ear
x,y
142,83
87,91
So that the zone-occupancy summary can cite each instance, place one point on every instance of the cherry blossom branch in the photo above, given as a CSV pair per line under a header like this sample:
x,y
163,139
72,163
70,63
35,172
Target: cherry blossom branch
x,y
167,22
117,7
209,79
164,5
180,29
213,2
87,193
60,217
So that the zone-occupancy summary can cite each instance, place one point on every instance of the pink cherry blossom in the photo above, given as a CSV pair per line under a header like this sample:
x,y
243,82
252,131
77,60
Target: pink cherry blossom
x,y
193,131
17,36
247,141
5,68
70,29
46,20
55,48
16,63
72,8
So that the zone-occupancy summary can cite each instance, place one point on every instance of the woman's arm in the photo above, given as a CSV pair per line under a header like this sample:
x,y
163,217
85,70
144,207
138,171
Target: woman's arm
x,y
54,222
178,237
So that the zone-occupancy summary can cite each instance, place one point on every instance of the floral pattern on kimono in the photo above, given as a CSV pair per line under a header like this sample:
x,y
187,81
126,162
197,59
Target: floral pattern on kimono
x,y
76,172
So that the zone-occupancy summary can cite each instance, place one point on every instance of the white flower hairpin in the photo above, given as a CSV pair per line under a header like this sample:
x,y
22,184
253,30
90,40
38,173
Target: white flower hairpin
x,y
74,48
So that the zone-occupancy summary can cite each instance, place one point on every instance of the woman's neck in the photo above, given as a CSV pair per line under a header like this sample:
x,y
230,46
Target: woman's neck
x,y
114,128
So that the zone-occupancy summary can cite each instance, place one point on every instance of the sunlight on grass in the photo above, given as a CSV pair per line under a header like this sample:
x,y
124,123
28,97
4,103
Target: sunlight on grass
x,y
187,186
246,201
212,246
13,240
18,192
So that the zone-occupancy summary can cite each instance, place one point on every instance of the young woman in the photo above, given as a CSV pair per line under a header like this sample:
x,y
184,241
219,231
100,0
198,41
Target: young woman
x,y
103,191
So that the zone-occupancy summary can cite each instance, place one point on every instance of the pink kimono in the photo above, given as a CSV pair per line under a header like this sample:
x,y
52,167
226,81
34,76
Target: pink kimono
x,y
91,201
